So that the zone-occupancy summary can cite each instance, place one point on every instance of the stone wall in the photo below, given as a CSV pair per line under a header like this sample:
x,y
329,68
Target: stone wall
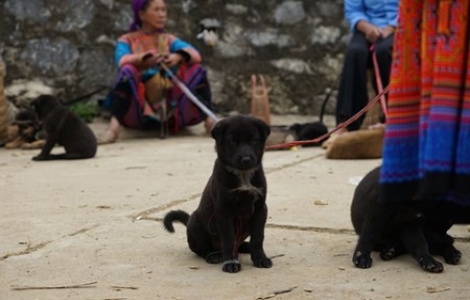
x,y
68,46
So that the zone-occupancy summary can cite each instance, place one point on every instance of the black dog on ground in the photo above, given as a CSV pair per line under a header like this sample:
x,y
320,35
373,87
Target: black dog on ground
x,y
309,131
233,204
296,132
65,128
414,226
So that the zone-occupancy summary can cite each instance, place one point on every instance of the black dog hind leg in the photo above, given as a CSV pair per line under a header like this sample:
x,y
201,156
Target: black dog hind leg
x,y
200,241
376,219
202,246
67,156
259,258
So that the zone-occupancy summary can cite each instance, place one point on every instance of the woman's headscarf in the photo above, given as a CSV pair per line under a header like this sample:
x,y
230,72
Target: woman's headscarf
x,y
137,6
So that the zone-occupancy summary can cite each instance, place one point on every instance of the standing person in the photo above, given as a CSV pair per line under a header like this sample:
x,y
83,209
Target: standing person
x,y
427,142
372,22
141,85
426,152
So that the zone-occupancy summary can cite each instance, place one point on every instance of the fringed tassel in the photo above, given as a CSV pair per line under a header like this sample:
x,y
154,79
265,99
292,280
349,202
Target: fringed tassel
x,y
260,100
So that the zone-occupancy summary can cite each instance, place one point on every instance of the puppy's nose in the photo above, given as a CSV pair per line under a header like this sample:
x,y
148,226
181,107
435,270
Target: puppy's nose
x,y
246,161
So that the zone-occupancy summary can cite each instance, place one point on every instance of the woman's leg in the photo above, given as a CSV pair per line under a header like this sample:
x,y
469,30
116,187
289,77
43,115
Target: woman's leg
x,y
195,79
111,134
383,51
352,94
120,102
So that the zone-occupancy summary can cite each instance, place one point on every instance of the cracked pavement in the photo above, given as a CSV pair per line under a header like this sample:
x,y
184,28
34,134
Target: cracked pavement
x,y
91,229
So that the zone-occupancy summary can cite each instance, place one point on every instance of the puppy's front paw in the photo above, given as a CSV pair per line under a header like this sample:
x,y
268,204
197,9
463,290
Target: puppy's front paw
x,y
452,256
39,158
431,265
214,257
362,260
262,262
231,266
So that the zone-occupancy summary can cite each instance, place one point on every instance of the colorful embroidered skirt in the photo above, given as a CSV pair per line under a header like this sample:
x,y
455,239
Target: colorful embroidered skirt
x,y
427,140
181,110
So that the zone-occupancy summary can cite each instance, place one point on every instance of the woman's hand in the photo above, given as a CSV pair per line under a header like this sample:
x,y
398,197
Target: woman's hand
x,y
172,59
151,59
388,31
372,33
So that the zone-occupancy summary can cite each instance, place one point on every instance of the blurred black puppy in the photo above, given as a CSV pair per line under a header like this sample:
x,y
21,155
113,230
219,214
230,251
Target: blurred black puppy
x,y
65,128
309,131
233,204
296,132
413,226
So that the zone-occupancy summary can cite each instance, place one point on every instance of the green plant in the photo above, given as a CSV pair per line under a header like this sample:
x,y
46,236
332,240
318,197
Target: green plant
x,y
86,111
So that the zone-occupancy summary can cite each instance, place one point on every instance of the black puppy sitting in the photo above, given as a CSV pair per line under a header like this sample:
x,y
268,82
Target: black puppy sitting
x,y
65,128
415,226
233,204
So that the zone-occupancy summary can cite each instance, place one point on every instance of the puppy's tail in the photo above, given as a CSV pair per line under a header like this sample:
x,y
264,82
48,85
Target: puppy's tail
x,y
175,215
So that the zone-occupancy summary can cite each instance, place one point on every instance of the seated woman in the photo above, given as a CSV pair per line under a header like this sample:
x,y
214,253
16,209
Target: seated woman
x,y
143,91
372,22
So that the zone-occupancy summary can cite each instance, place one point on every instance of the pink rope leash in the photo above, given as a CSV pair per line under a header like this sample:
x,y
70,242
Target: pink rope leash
x,y
380,96
378,80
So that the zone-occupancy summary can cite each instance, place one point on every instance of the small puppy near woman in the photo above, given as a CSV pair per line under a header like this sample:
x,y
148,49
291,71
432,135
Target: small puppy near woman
x,y
233,204
65,128
413,226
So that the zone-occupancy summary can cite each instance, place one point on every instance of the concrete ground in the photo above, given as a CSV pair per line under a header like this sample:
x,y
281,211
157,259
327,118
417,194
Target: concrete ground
x,y
92,229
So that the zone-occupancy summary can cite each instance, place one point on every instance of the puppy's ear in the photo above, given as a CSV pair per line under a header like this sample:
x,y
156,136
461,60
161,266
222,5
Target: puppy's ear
x,y
218,130
264,129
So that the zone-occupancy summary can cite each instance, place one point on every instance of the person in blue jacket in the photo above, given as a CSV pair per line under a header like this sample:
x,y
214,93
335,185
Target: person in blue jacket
x,y
372,22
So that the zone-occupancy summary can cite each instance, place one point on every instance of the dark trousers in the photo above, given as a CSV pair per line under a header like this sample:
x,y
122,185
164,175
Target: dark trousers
x,y
121,100
352,93
122,95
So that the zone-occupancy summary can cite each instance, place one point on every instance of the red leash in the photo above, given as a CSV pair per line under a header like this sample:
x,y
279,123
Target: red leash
x,y
380,96
378,81
342,125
